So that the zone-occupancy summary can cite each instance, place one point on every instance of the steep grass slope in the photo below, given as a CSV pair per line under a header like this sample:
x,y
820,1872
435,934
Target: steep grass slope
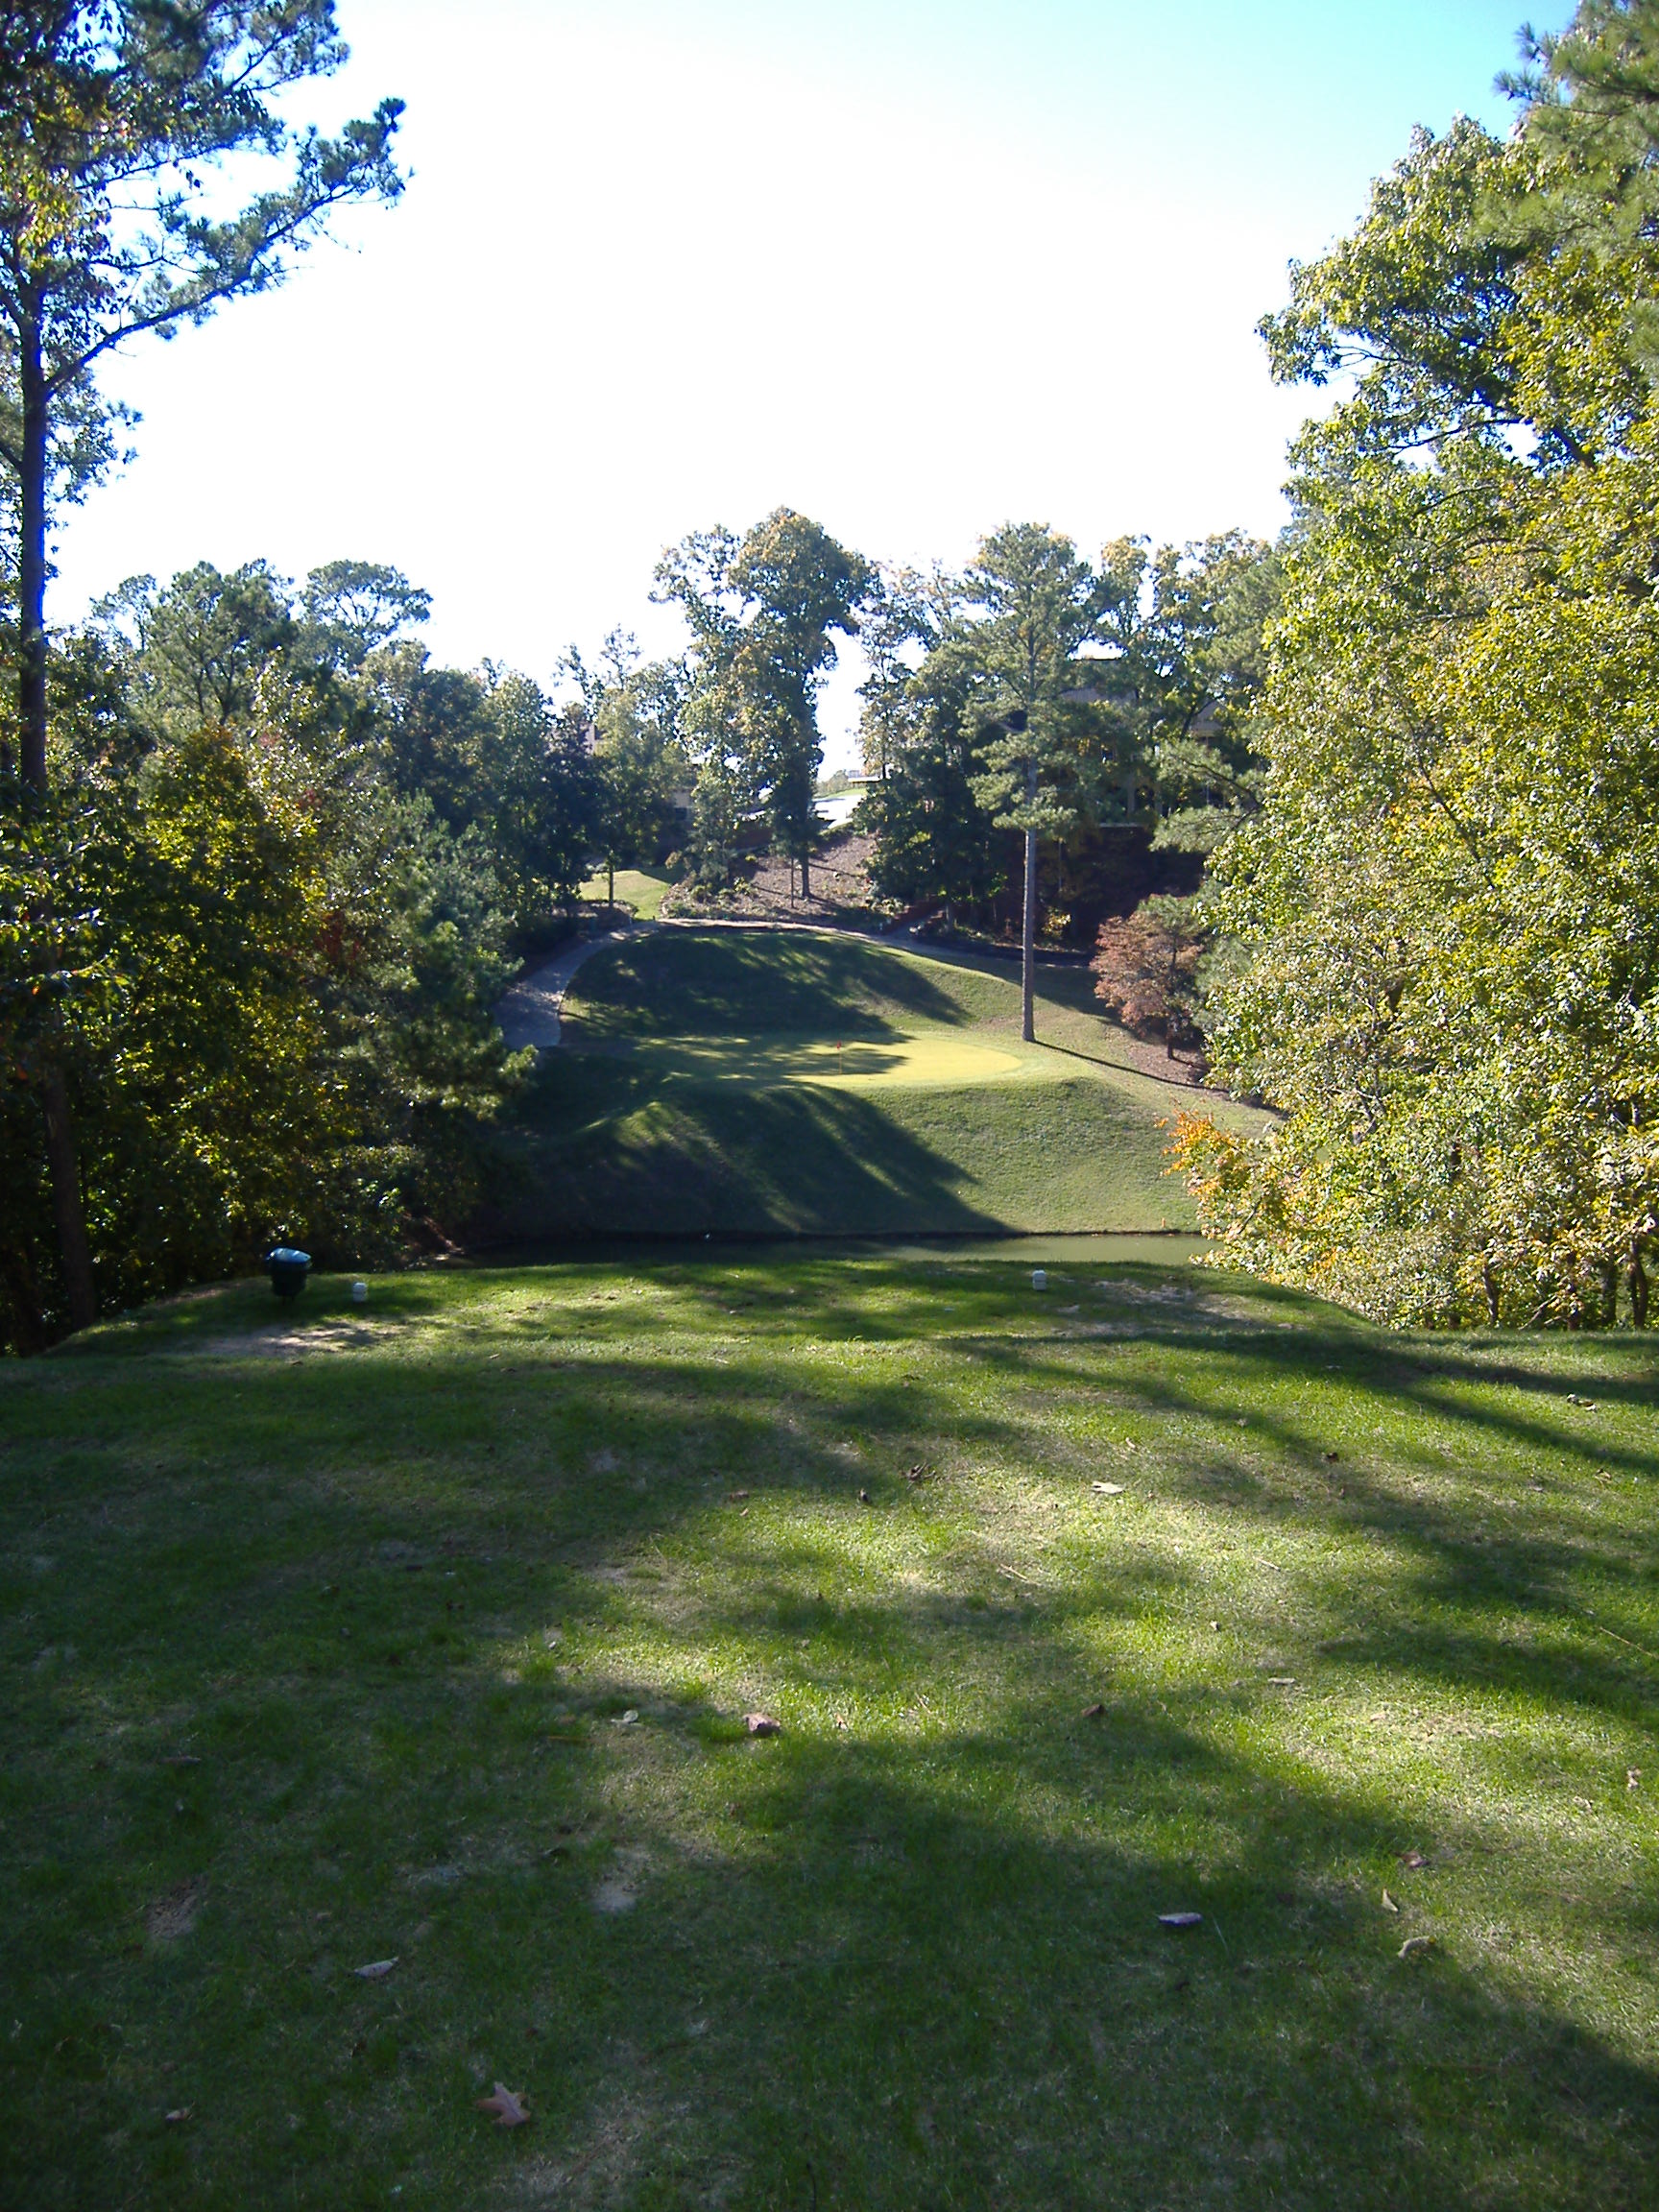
x,y
700,1092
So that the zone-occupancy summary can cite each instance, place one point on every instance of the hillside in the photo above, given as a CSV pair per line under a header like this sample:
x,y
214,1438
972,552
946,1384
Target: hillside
x,y
756,1082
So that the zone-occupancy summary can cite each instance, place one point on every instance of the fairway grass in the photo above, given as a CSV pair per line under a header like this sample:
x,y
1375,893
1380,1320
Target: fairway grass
x,y
801,1082
641,889
427,1635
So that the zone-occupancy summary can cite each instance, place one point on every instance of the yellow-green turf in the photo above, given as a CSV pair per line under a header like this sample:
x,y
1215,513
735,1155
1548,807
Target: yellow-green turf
x,y
640,888
796,1081
422,1640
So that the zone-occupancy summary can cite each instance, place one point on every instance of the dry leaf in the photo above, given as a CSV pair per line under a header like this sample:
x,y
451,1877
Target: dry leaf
x,y
1415,1944
1093,1712
1412,1859
1388,1903
1108,1489
377,1971
1179,1919
763,1724
507,2105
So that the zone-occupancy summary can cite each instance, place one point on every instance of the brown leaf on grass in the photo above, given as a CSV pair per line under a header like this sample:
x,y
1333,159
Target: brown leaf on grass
x,y
1093,1712
175,1914
376,1970
507,2105
1415,1944
1412,1859
763,1724
1388,1903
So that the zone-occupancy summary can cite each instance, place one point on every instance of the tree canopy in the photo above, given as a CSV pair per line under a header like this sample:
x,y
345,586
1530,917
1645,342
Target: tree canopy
x,y
1446,911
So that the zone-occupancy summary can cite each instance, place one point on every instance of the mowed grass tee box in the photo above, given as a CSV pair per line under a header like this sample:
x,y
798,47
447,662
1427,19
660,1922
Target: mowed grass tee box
x,y
425,1639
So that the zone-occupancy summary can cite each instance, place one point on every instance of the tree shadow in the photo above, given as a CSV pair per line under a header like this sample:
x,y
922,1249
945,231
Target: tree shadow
x,y
731,983
914,1960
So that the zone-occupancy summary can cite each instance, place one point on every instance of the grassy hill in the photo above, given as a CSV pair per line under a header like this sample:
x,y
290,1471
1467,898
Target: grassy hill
x,y
756,1082
421,1640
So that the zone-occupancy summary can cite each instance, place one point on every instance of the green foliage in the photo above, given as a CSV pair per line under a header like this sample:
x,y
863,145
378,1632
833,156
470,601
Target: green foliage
x,y
763,613
1143,678
259,926
1447,912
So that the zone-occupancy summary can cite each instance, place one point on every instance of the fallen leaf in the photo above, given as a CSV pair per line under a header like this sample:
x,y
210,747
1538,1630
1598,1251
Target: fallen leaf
x,y
377,1971
1179,1919
763,1724
1093,1712
1108,1489
507,2105
1412,1859
1388,1903
1415,1944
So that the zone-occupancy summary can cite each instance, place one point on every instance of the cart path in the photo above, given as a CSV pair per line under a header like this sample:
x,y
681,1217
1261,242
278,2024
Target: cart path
x,y
528,1014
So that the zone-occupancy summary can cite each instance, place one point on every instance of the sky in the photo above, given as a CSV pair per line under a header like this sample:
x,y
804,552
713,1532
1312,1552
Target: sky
x,y
913,267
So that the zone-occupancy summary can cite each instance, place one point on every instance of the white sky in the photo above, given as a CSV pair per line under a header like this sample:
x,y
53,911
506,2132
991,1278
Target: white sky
x,y
915,267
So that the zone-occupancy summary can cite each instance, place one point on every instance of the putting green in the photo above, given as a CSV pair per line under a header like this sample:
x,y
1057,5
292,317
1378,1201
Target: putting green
x,y
853,1063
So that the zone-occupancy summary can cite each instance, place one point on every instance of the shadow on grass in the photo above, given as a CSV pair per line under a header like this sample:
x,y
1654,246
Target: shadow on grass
x,y
732,984
392,1611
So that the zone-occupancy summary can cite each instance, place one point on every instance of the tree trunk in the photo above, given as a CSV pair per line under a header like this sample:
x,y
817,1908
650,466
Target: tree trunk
x,y
31,563
805,878
1638,1286
1028,935
610,883
72,1252
66,1205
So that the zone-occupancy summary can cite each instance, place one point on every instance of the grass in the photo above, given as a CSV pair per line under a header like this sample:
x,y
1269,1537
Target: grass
x,y
641,889
429,1637
789,1082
